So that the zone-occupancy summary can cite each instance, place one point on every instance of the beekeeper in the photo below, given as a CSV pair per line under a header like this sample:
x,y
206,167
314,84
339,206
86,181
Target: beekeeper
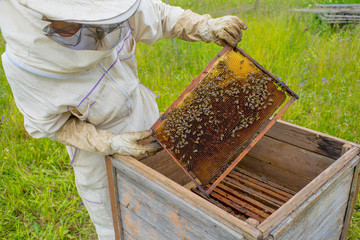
x,y
72,68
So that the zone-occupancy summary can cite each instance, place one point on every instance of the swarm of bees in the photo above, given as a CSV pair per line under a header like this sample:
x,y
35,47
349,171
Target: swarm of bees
x,y
215,112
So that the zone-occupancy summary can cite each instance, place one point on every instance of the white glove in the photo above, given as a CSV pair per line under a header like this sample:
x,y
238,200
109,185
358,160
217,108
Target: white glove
x,y
128,144
223,30
85,136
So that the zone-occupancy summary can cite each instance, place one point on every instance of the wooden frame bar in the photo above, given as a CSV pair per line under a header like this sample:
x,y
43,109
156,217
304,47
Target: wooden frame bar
x,y
352,200
115,206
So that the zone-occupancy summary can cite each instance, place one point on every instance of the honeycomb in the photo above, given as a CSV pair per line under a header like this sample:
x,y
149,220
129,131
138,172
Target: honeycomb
x,y
213,123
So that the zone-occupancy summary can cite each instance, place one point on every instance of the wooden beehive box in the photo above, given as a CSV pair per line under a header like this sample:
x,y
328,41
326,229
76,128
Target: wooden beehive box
x,y
151,198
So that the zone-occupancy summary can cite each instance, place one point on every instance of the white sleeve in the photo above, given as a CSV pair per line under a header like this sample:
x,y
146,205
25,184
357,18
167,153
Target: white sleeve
x,y
154,20
43,127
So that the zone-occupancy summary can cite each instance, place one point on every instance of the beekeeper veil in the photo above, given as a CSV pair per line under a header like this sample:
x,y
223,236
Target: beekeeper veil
x,y
85,24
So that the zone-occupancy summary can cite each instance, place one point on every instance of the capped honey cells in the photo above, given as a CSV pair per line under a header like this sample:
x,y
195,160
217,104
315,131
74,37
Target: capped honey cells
x,y
212,124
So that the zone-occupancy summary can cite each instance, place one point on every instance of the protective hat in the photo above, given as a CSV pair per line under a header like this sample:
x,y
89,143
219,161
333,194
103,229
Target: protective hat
x,y
84,11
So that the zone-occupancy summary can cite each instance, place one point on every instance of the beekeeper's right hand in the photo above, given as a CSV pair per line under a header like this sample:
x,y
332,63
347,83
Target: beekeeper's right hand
x,y
85,136
128,144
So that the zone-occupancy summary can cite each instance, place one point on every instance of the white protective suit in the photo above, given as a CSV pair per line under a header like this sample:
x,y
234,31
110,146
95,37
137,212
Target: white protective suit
x,y
51,83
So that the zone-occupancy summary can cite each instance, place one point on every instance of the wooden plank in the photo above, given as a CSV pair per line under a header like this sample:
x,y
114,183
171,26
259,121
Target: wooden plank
x,y
290,158
268,185
257,195
341,17
321,216
115,208
345,148
261,179
135,228
145,208
237,205
164,164
352,201
185,200
329,10
308,139
179,176
273,174
338,5
222,191
246,198
161,162
338,19
344,163
260,188
218,204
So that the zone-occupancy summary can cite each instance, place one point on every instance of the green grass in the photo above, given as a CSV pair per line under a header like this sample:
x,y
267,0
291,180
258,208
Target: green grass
x,y
38,198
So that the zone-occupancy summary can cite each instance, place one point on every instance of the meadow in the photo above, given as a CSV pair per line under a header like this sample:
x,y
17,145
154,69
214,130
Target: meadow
x,y
320,62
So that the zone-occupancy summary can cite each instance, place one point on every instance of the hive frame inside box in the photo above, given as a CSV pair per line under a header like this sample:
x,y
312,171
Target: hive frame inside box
x,y
254,140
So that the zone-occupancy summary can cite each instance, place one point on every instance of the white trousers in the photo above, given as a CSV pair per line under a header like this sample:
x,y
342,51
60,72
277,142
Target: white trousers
x,y
92,185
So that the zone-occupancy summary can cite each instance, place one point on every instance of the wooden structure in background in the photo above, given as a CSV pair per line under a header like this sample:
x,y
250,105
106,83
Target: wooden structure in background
x,y
317,175
336,13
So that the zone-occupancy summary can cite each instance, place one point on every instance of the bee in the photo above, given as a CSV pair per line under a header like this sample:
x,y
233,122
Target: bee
x,y
222,137
233,133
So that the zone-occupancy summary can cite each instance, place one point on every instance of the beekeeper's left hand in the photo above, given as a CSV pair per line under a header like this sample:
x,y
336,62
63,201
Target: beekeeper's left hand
x,y
223,30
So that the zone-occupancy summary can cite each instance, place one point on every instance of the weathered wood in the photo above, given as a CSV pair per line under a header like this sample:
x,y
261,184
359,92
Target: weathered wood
x,y
189,185
145,208
308,139
246,198
321,215
345,148
273,174
164,164
336,13
351,202
116,214
258,195
267,182
344,163
261,188
253,222
305,161
218,204
185,202
338,5
329,10
237,205
290,158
